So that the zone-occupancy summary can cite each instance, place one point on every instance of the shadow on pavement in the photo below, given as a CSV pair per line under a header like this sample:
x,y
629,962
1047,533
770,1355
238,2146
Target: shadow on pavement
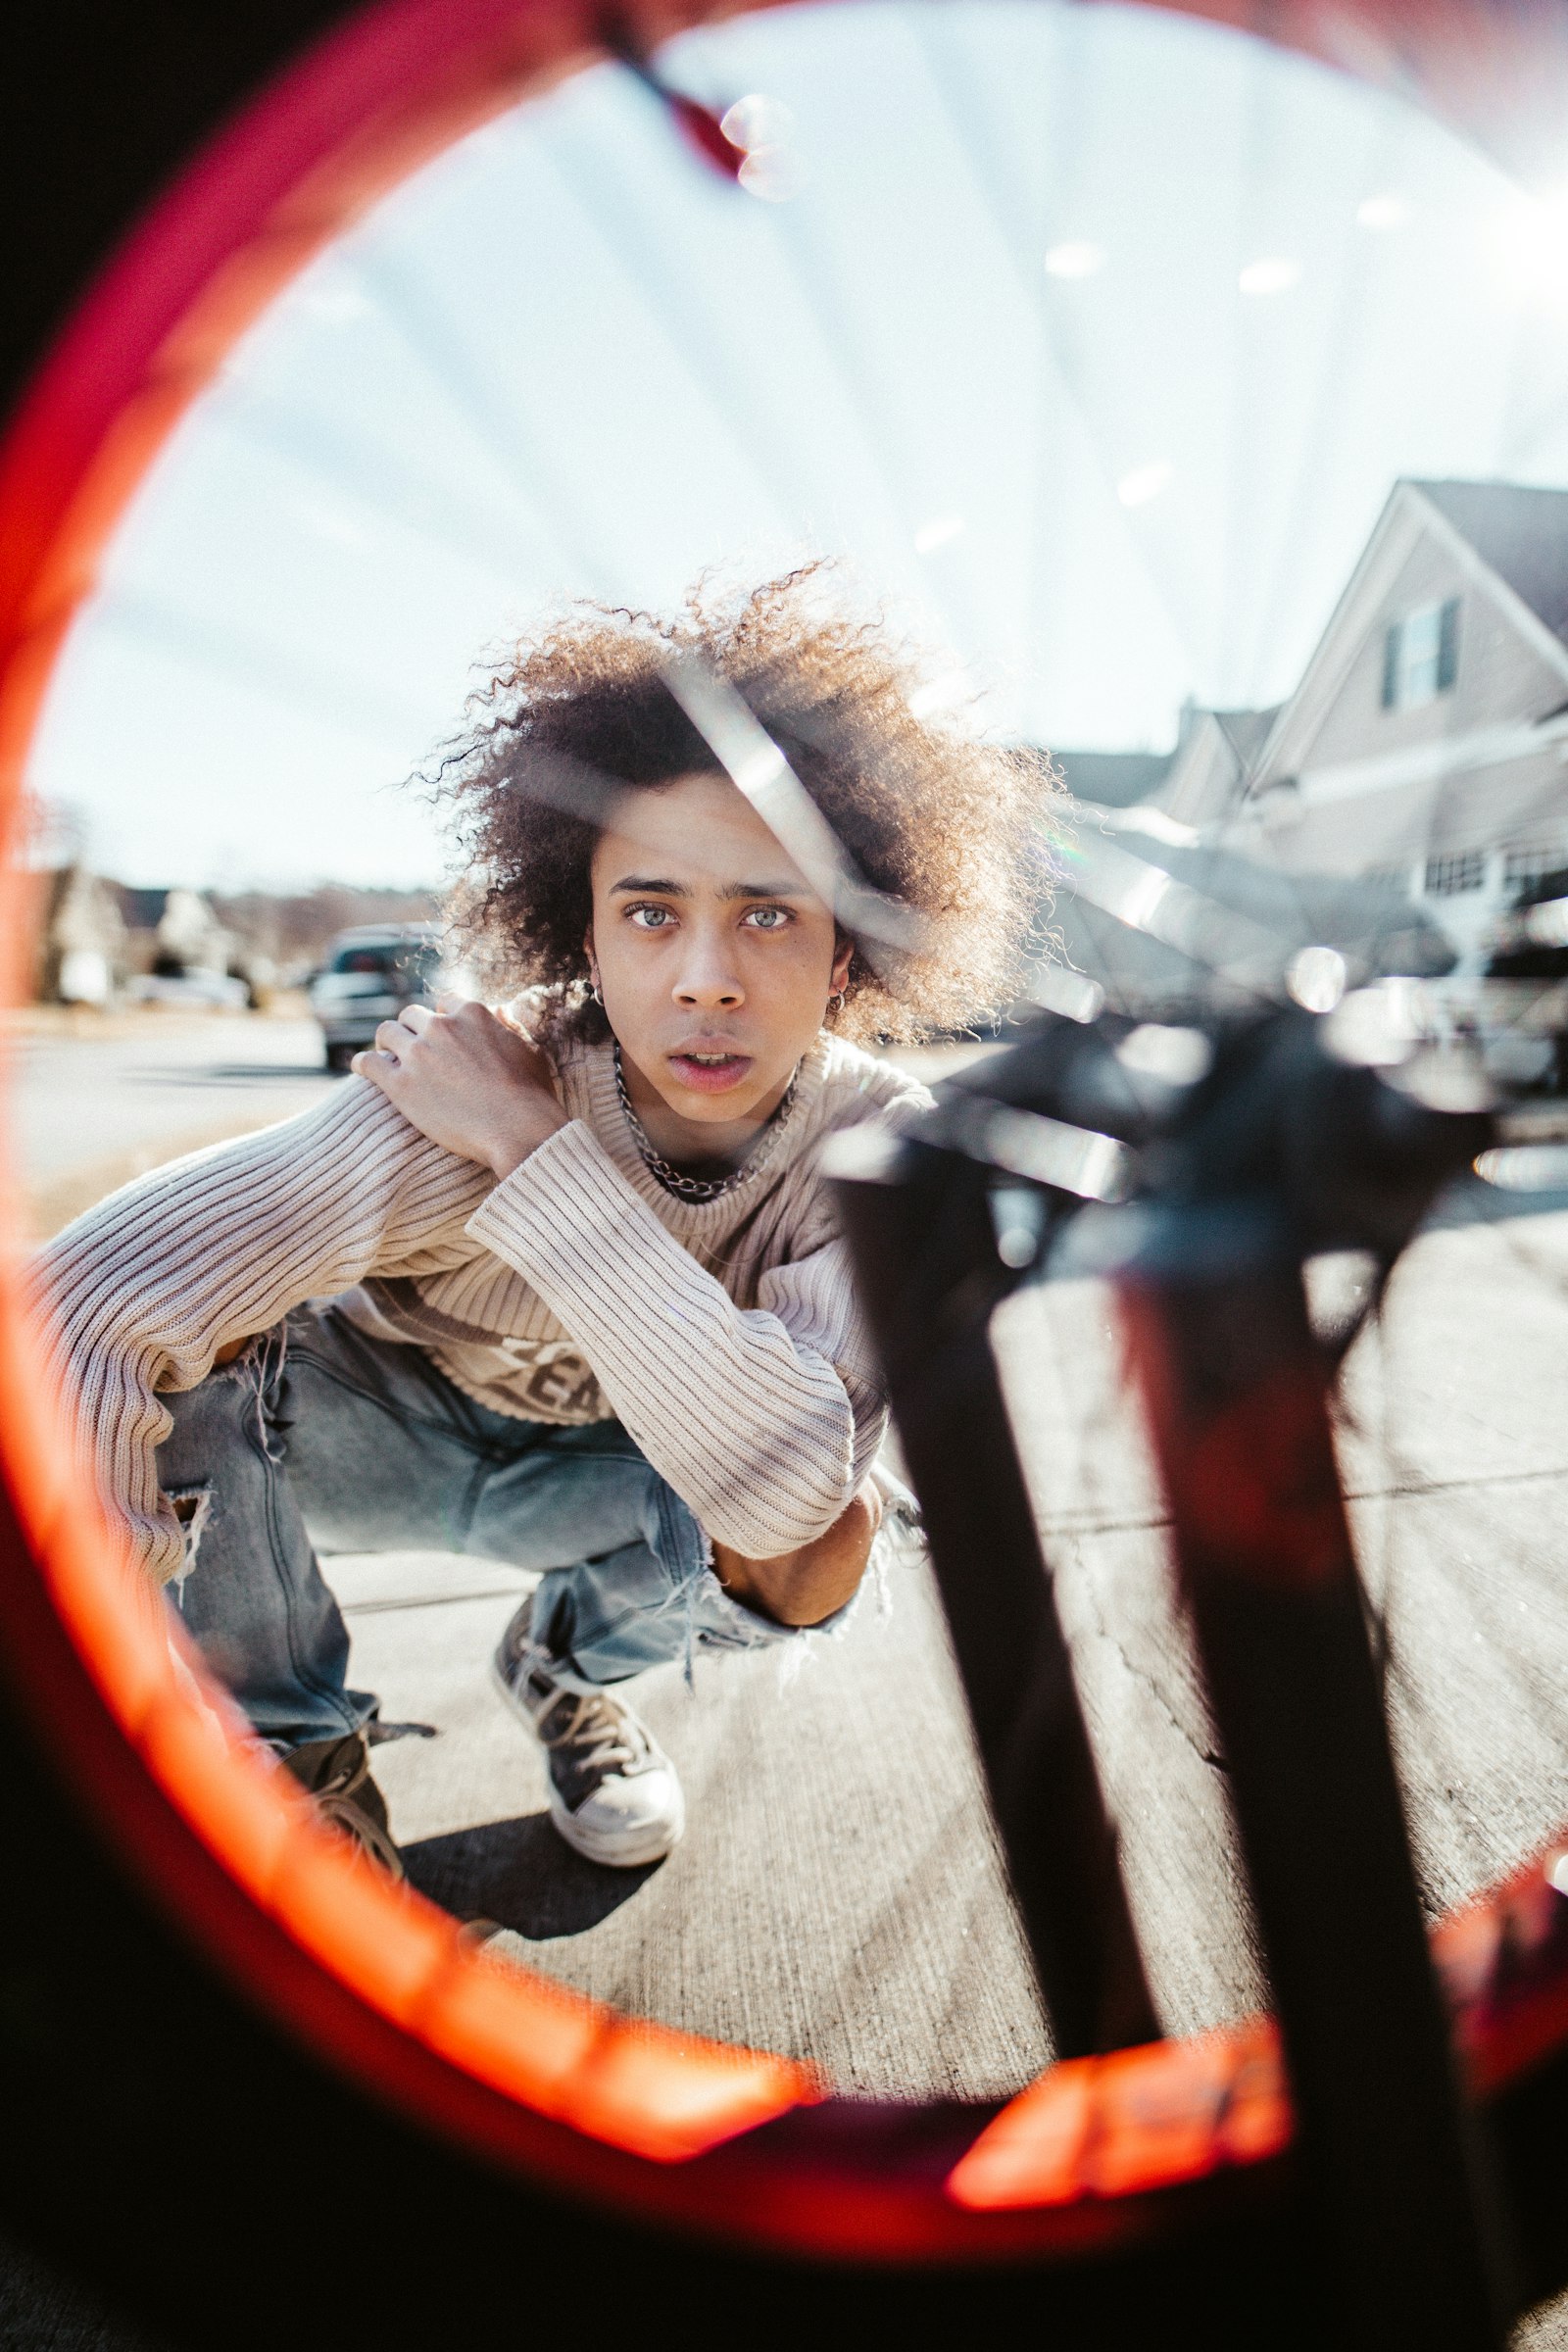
x,y
521,1876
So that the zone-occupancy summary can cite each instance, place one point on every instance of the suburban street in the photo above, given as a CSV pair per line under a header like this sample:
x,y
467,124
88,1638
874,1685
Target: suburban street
x,y
101,1098
836,1895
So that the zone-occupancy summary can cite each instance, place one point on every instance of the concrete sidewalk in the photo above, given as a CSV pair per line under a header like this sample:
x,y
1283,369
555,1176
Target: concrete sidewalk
x,y
836,1895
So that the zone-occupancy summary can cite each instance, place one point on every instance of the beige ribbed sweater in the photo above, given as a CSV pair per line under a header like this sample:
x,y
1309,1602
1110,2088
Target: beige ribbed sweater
x,y
723,1335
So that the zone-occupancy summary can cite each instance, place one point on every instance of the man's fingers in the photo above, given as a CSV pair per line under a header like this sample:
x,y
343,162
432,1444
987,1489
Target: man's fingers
x,y
419,1018
393,1039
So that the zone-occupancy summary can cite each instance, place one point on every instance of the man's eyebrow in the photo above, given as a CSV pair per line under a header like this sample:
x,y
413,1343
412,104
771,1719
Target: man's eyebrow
x,y
655,884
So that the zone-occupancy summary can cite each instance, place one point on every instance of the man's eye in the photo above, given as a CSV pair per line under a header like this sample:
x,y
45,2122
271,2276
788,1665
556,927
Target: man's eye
x,y
768,918
650,919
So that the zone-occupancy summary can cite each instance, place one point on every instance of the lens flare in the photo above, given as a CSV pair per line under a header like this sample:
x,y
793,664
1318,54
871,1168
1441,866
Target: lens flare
x,y
1076,258
1316,978
1272,273
938,532
757,121
1144,482
1528,244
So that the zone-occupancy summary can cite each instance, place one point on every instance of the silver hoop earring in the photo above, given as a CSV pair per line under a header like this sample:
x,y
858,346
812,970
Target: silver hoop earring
x,y
593,991
835,1003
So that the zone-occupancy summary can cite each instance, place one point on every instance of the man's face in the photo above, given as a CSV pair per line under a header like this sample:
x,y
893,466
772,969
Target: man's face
x,y
716,959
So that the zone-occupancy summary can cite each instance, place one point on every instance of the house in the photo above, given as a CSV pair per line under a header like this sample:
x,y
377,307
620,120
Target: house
x,y
74,919
1425,751
1428,738
1215,751
173,933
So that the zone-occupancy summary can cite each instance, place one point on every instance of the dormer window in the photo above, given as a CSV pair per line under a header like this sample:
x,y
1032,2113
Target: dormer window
x,y
1450,877
1421,655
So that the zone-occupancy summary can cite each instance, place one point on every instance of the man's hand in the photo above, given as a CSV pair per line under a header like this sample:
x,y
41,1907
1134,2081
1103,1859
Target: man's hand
x,y
470,1082
802,1588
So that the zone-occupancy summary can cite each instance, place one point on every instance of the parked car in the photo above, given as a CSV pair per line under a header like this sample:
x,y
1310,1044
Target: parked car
x,y
1525,986
368,977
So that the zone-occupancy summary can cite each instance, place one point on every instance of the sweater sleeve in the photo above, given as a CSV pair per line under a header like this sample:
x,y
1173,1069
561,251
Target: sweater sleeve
x,y
762,1419
140,1294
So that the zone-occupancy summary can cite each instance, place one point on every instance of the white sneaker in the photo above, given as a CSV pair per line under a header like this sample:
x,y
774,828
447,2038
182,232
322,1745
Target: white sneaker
x,y
614,1794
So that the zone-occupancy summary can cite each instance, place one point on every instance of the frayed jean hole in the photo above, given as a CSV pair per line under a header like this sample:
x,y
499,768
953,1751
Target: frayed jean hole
x,y
264,1361
192,1507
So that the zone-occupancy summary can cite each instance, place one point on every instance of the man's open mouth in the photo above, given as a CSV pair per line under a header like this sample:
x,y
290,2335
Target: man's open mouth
x,y
712,1072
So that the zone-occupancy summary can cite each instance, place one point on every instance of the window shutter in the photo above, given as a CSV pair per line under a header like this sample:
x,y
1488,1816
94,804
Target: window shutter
x,y
1390,665
1449,645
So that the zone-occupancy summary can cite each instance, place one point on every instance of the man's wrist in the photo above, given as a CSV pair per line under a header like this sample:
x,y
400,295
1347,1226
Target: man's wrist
x,y
508,1152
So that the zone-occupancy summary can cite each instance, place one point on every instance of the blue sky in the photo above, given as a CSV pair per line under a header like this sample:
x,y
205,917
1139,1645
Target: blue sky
x,y
1092,342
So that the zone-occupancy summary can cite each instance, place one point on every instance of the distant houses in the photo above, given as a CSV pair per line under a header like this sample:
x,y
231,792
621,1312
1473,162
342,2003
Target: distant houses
x,y
171,934
1410,793
96,939
78,930
1424,752
99,942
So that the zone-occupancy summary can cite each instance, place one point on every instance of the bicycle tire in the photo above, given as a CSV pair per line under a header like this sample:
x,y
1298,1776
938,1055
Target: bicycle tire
x,y
833,2211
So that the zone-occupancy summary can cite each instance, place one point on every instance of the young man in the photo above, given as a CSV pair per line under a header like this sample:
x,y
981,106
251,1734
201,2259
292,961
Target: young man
x,y
560,1286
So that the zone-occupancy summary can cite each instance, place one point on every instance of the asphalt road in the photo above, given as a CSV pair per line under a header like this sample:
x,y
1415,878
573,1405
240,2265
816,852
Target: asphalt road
x,y
88,1111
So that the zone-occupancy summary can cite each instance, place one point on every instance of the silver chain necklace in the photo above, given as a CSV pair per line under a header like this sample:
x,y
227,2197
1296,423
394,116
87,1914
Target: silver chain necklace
x,y
700,1187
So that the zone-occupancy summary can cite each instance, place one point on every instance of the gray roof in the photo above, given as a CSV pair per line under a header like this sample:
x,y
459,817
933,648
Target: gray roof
x,y
143,909
1247,730
1521,532
1115,779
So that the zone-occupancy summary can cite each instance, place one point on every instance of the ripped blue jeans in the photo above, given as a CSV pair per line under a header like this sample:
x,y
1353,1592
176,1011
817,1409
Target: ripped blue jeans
x,y
317,1434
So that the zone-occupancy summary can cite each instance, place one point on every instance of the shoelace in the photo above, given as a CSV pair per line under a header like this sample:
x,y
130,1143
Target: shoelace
x,y
343,1815
335,1805
603,1733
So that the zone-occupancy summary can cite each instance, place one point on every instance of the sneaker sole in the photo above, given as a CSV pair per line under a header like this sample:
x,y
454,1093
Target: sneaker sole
x,y
629,1851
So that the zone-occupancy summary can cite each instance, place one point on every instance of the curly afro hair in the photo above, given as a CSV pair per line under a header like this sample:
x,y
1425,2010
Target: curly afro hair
x,y
583,713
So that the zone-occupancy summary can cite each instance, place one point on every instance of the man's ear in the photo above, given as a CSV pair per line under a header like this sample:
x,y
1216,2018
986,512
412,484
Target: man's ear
x,y
843,958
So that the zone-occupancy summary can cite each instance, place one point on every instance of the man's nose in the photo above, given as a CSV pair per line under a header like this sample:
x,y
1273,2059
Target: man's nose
x,y
709,980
